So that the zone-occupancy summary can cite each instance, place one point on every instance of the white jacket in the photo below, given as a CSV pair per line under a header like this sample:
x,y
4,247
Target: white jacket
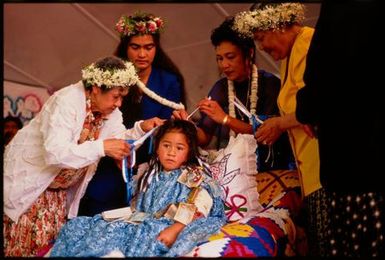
x,y
48,144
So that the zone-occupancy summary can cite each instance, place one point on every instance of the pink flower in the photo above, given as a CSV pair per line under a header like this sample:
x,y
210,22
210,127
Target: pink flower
x,y
151,26
141,27
158,22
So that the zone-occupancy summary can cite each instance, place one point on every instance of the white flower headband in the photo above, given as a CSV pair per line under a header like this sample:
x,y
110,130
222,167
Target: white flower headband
x,y
122,78
110,77
271,17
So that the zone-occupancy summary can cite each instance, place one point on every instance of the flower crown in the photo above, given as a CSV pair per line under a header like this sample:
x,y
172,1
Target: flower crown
x,y
139,23
271,17
122,78
110,77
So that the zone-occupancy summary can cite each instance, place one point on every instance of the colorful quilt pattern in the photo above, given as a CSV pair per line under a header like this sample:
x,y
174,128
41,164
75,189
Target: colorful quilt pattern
x,y
271,232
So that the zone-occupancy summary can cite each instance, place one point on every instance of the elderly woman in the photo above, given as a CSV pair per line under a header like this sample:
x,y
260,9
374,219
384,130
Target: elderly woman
x,y
49,163
278,31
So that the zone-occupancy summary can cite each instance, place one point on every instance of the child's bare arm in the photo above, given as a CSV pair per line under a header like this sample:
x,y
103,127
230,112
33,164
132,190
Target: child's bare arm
x,y
169,234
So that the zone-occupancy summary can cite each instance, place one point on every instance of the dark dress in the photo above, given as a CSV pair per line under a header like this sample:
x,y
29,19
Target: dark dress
x,y
107,189
268,89
343,99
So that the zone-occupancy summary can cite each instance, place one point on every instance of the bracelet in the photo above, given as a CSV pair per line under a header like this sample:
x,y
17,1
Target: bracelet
x,y
224,121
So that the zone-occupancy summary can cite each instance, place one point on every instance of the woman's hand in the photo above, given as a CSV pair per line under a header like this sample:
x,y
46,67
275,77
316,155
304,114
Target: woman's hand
x,y
149,124
180,114
212,109
168,235
116,148
269,131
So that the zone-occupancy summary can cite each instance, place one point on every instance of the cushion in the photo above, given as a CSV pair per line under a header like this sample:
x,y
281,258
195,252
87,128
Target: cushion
x,y
273,183
235,168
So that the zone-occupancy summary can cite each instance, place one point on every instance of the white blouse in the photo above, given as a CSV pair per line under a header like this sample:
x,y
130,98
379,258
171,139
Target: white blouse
x,y
49,143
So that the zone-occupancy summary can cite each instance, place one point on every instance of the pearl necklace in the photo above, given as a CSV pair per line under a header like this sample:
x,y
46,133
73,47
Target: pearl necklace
x,y
253,95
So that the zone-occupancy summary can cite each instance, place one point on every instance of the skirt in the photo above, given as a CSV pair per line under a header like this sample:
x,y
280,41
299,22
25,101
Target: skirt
x,y
37,227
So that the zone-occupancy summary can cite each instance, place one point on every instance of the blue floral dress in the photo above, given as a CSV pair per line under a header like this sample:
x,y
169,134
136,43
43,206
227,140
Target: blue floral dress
x,y
94,237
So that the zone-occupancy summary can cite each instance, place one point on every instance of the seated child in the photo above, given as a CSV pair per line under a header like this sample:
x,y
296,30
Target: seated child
x,y
178,204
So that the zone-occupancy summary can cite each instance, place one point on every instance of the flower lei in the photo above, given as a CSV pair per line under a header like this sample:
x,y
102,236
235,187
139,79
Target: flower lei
x,y
139,23
253,95
272,17
93,75
158,98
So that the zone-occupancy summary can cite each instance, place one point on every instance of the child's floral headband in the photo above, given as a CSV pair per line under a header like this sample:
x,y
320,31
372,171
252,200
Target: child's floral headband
x,y
270,17
139,24
93,75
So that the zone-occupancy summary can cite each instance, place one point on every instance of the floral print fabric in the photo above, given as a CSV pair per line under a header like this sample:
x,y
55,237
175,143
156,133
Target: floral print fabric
x,y
37,227
42,222
93,236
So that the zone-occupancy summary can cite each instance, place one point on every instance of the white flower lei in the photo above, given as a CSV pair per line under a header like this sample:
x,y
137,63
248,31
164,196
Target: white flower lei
x,y
158,98
110,78
253,95
272,17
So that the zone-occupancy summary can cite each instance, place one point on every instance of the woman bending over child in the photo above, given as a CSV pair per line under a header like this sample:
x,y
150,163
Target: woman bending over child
x,y
176,199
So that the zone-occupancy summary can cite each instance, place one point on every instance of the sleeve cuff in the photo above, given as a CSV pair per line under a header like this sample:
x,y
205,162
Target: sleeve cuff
x,y
138,129
100,148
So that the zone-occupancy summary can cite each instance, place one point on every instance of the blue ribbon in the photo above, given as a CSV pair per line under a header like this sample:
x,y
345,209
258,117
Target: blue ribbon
x,y
255,124
128,170
150,147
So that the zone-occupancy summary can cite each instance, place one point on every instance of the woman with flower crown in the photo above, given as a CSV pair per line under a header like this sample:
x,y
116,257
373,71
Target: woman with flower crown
x,y
140,44
278,30
49,162
255,88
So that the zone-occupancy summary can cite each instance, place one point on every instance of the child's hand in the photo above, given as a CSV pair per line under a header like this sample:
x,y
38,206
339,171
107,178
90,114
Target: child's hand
x,y
169,234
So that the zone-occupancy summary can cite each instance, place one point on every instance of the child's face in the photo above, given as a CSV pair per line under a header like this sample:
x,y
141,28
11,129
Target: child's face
x,y
173,150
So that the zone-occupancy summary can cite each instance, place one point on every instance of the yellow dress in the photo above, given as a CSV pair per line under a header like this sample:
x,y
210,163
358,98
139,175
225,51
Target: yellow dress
x,y
305,149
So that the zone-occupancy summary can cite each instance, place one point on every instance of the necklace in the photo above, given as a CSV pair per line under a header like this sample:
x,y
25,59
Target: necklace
x,y
158,98
252,97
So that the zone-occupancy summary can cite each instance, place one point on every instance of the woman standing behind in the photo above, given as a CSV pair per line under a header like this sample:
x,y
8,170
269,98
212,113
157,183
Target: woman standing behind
x,y
50,161
277,29
140,44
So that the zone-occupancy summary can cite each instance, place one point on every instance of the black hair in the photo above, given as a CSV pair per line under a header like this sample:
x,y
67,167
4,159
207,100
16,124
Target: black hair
x,y
161,59
225,32
181,126
15,119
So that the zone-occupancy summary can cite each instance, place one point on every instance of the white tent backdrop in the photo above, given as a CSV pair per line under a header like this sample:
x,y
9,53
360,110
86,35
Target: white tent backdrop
x,y
47,44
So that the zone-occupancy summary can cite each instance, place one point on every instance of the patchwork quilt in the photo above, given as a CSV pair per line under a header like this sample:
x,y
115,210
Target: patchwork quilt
x,y
272,232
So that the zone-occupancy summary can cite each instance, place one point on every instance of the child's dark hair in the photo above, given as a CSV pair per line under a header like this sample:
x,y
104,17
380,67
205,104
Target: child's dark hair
x,y
180,126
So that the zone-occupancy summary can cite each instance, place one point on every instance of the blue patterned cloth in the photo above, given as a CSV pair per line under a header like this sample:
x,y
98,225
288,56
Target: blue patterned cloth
x,y
94,237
